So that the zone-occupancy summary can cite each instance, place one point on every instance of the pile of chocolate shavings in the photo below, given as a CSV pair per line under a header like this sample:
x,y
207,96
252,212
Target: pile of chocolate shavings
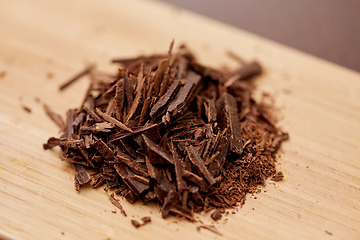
x,y
170,130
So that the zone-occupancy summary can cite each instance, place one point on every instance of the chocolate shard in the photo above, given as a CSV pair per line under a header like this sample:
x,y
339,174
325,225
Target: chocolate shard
x,y
127,91
93,129
216,165
181,184
278,139
98,181
81,174
76,184
163,186
132,164
162,103
131,197
246,71
63,142
150,195
159,75
76,77
113,120
120,135
58,120
69,129
118,101
116,203
228,118
172,197
185,95
210,110
199,164
76,161
192,177
104,150
181,211
79,118
126,174
135,107
156,154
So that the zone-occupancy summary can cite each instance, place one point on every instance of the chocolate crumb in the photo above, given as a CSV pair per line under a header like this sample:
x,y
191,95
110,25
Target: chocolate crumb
x,y
135,223
2,74
26,109
277,177
49,75
328,233
146,219
216,215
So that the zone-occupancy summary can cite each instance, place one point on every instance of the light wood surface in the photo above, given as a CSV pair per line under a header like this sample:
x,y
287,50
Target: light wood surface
x,y
318,104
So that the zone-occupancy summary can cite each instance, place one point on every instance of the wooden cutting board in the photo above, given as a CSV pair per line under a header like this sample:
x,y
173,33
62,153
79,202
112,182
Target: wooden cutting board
x,y
44,42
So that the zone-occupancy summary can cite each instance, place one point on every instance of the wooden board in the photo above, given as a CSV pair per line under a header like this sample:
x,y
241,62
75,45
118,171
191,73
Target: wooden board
x,y
319,105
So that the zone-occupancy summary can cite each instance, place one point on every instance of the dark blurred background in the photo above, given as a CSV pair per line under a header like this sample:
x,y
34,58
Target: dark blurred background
x,y
329,29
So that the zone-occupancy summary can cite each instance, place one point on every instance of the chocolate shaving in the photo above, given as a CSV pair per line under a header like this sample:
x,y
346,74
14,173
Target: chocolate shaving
x,y
146,219
210,228
76,77
167,129
246,71
181,184
54,116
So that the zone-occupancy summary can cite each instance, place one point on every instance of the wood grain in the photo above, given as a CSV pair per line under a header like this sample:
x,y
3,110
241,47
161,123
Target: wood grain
x,y
318,104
